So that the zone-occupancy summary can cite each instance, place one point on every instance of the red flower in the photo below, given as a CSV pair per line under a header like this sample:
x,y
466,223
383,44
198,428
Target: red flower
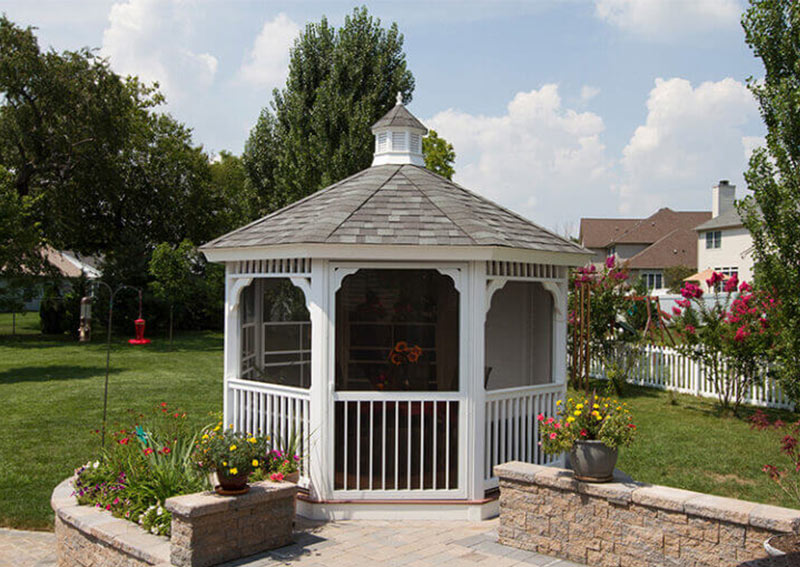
x,y
732,284
165,451
163,404
276,477
632,426
124,441
676,311
745,287
741,333
148,451
715,277
610,261
690,329
584,433
540,417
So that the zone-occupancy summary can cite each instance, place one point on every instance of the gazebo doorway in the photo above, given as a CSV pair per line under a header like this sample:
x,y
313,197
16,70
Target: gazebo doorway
x,y
397,399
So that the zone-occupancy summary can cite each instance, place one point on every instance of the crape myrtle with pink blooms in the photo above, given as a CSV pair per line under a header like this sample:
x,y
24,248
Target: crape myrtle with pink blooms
x,y
729,335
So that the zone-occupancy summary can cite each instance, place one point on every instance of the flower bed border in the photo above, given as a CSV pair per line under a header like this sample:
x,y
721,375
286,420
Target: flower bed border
x,y
544,509
87,536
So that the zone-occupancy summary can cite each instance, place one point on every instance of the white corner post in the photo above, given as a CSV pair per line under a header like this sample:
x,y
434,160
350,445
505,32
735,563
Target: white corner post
x,y
321,418
473,375
559,292
233,337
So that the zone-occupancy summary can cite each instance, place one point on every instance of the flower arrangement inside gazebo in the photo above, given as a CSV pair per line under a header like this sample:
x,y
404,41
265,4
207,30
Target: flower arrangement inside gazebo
x,y
403,329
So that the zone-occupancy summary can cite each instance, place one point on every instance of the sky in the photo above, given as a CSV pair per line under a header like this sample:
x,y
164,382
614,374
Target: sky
x,y
557,109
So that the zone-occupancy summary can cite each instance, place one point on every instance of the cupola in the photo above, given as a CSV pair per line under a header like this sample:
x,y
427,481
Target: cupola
x,y
398,137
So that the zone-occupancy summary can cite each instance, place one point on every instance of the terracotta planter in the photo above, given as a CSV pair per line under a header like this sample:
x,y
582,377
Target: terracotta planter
x,y
231,485
593,461
292,477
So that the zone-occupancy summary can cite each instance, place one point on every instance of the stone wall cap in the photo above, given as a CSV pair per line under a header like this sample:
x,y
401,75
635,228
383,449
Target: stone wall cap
x,y
775,518
556,478
664,497
517,470
615,492
205,503
720,508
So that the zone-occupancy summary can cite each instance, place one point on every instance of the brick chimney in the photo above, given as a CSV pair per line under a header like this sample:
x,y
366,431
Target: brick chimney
x,y
722,197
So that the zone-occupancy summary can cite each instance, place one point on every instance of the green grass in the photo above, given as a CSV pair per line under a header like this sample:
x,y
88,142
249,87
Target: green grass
x,y
52,394
684,442
52,400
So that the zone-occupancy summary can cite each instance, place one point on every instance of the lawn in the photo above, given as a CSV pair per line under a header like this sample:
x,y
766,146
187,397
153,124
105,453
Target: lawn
x,y
52,390
683,442
52,394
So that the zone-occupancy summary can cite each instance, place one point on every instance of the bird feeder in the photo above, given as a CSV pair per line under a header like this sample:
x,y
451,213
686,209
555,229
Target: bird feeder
x,y
139,325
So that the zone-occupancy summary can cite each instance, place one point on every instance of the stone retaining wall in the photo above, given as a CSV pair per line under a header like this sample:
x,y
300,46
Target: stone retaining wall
x,y
629,524
207,529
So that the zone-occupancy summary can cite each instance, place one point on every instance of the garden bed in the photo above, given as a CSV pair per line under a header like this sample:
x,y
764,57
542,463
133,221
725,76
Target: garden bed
x,y
201,529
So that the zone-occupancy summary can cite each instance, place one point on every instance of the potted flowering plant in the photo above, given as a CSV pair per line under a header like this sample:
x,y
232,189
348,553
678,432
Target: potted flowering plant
x,y
591,430
233,456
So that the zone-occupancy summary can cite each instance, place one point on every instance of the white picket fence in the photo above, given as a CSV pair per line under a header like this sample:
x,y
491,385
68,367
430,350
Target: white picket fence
x,y
667,369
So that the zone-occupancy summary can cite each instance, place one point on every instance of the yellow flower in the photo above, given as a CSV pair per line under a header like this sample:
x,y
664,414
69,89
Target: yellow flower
x,y
255,462
570,419
558,403
577,412
569,400
216,428
224,463
230,426
233,447
596,406
252,440
234,470
579,406
599,417
205,436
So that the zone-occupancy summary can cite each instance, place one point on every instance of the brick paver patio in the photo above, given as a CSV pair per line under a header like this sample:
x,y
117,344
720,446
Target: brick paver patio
x,y
347,543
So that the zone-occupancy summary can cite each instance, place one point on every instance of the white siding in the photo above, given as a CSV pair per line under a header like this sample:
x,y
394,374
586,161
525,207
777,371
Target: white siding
x,y
734,251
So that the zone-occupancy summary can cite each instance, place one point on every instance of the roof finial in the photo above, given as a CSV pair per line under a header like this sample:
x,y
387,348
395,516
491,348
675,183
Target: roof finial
x,y
399,98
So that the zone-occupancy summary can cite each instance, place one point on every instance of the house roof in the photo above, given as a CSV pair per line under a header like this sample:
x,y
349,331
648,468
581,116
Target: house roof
x,y
729,218
677,248
599,233
399,117
661,223
396,204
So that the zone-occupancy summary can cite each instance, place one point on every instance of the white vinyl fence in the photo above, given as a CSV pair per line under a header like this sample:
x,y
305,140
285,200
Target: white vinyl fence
x,y
667,369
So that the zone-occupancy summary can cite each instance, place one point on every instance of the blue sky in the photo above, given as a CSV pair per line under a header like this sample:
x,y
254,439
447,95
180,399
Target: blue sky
x,y
557,109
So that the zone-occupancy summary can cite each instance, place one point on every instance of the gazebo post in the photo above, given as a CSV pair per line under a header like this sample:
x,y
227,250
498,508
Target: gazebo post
x,y
321,418
233,337
474,376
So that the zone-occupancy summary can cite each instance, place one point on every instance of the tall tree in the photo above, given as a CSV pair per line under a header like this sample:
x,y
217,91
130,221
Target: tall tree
x,y
317,129
439,154
772,212
237,198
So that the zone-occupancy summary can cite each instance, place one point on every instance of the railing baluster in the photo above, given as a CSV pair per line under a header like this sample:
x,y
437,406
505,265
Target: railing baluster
x,y
358,445
346,453
435,435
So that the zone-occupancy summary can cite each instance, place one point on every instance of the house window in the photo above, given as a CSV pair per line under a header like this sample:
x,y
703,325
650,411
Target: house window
x,y
713,239
653,280
728,271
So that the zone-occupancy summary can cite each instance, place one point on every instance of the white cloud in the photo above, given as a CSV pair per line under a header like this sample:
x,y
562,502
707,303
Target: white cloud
x,y
538,158
589,92
149,38
692,137
267,62
663,19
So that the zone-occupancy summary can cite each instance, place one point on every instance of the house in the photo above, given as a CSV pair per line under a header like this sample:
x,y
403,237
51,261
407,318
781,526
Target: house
x,y
405,331
649,245
723,243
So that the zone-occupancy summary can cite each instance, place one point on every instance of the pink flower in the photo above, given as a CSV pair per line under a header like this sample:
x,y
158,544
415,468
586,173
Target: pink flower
x,y
690,329
584,433
732,284
691,291
553,435
557,425
124,441
676,311
715,277
549,420
148,451
683,303
620,276
540,417
741,333
610,261
745,287
276,477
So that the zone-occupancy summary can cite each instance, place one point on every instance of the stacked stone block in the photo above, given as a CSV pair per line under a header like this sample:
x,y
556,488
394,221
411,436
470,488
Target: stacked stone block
x,y
629,524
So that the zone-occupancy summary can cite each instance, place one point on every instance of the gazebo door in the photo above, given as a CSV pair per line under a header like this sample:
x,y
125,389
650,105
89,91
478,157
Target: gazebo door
x,y
397,405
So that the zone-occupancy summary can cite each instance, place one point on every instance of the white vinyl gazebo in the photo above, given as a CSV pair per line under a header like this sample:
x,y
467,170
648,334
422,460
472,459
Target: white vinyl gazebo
x,y
404,329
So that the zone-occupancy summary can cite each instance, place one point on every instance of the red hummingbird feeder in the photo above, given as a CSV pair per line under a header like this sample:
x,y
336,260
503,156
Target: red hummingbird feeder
x,y
139,327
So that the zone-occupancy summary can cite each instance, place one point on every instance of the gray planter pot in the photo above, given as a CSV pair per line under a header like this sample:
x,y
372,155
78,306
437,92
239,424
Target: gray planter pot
x,y
593,461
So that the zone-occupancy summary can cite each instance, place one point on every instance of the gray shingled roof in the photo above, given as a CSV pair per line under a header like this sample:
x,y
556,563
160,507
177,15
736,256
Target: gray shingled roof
x,y
399,116
728,218
396,204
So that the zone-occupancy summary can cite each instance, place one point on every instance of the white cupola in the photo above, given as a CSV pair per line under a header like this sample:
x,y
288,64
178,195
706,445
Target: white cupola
x,y
398,137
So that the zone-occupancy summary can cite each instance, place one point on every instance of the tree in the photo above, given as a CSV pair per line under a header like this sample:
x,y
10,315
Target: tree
x,y
674,276
174,270
235,193
772,212
316,130
439,154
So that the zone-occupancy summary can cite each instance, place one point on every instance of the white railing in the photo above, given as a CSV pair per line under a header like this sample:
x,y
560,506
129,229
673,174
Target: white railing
x,y
392,444
512,430
281,412
667,369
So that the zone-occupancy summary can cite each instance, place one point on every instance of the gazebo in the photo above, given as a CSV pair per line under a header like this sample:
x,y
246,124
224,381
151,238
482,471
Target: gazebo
x,y
405,331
